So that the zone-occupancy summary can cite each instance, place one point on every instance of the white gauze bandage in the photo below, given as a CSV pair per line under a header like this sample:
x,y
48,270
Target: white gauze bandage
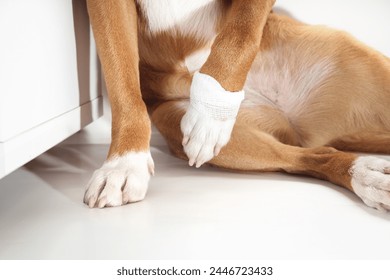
x,y
208,97
209,120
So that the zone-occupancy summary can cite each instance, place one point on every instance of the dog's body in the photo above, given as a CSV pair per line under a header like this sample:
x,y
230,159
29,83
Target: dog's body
x,y
308,91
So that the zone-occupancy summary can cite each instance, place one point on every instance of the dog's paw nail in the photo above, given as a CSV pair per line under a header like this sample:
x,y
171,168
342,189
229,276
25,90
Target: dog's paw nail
x,y
185,140
102,202
217,150
125,198
191,162
91,204
151,166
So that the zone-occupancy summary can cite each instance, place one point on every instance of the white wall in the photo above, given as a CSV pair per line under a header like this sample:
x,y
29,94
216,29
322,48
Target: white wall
x,y
369,21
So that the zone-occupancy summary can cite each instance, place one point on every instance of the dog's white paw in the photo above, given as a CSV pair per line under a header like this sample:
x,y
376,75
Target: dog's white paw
x,y
204,136
209,120
120,180
371,181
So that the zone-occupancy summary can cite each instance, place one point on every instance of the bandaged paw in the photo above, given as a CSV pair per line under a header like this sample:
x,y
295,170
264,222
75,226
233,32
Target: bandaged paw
x,y
209,120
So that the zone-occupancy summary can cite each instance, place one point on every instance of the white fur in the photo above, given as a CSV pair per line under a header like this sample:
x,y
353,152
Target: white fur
x,y
204,136
209,120
371,181
120,180
285,81
196,60
189,17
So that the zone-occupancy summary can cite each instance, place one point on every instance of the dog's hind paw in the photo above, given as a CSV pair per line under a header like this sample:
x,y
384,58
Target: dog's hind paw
x,y
371,181
121,180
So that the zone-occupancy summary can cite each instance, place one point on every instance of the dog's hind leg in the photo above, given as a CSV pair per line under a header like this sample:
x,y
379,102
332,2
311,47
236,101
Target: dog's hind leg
x,y
253,149
367,142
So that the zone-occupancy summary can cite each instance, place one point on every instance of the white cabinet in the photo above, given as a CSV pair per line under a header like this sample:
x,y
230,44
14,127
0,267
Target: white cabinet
x,y
50,85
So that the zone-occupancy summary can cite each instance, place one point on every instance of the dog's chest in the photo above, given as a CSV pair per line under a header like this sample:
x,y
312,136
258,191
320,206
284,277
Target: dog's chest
x,y
188,17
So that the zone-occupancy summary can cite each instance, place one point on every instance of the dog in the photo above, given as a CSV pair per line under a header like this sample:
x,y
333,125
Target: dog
x,y
234,85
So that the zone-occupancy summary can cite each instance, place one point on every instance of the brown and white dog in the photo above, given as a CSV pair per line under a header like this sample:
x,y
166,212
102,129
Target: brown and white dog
x,y
311,93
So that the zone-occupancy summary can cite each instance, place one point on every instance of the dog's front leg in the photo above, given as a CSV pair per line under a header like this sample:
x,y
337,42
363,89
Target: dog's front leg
x,y
125,175
216,91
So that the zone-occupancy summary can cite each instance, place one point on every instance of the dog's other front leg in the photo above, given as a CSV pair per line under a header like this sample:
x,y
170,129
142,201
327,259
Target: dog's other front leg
x,y
217,89
125,175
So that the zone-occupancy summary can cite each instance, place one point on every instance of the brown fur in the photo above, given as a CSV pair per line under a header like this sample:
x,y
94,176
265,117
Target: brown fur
x,y
115,31
244,23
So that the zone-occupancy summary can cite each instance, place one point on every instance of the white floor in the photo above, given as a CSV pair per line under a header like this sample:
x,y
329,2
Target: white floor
x,y
189,213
